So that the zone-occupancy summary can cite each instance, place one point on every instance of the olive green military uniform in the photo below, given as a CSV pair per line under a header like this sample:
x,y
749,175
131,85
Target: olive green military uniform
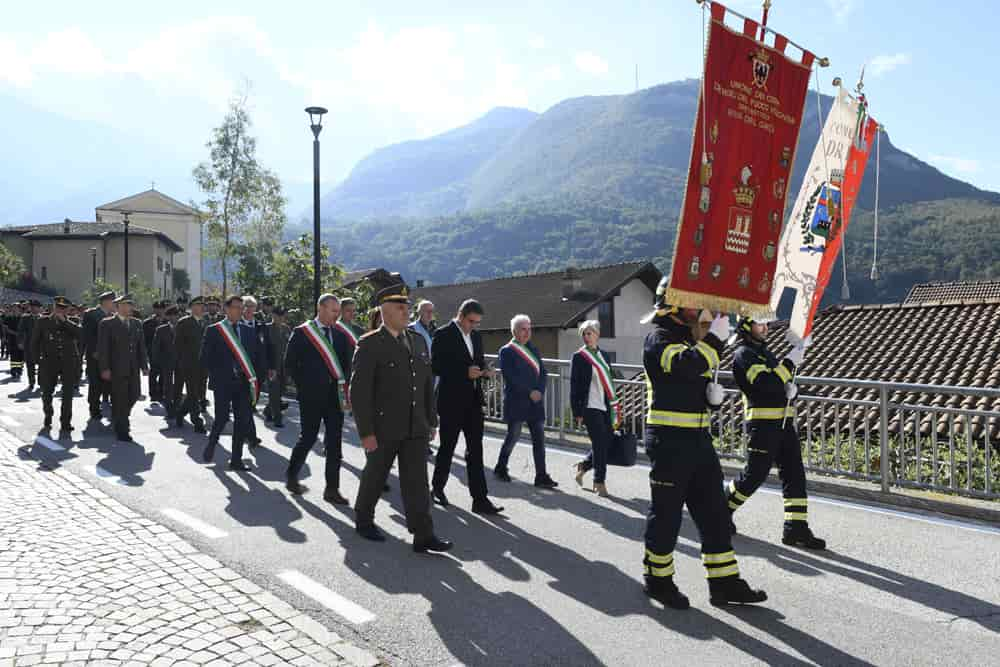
x,y
277,340
54,343
392,395
191,377
121,349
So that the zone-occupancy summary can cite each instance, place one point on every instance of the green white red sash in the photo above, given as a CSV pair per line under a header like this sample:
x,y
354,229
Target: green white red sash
x,y
603,371
242,358
322,344
346,330
527,355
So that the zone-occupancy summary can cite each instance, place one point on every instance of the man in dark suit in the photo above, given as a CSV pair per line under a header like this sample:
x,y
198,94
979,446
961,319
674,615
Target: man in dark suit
x,y
121,354
149,327
458,362
97,388
258,328
164,355
190,377
318,359
231,353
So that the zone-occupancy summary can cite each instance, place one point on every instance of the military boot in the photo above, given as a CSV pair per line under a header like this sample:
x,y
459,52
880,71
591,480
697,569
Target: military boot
x,y
798,534
733,590
664,590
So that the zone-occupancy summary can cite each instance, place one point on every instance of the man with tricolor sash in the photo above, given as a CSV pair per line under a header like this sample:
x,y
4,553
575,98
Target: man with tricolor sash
x,y
768,388
686,468
347,324
231,353
318,359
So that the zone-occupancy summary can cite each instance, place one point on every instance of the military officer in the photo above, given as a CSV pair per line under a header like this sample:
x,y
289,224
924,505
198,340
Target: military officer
x,y
97,388
392,394
54,344
121,354
11,322
149,327
24,329
213,314
191,377
278,333
164,354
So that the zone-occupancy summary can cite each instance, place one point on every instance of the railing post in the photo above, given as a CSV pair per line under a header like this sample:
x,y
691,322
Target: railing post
x,y
883,406
560,408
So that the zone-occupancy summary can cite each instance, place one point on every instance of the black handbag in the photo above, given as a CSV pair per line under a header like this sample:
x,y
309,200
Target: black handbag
x,y
623,449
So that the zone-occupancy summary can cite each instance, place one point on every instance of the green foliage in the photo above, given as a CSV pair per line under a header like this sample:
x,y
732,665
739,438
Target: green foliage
x,y
11,267
27,282
182,282
142,292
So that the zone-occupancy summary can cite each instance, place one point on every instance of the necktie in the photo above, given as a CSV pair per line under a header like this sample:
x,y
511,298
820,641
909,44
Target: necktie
x,y
329,334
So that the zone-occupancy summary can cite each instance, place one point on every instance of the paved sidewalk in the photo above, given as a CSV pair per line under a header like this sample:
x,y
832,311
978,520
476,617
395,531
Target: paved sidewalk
x,y
86,581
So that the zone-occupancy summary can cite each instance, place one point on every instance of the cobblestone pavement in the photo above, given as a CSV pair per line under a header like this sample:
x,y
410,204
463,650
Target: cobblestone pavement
x,y
86,581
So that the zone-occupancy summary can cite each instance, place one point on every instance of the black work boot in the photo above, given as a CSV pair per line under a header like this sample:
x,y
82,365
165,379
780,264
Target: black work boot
x,y
664,590
733,590
797,534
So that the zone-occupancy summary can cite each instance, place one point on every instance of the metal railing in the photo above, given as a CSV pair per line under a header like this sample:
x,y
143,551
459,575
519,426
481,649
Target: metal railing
x,y
898,434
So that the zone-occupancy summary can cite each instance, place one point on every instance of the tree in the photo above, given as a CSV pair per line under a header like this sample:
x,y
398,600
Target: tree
x,y
182,281
11,266
142,292
291,275
253,268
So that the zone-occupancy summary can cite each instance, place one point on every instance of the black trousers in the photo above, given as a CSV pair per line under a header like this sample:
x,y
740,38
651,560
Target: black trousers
x,y
234,395
47,380
470,424
96,387
771,444
598,425
686,471
31,365
412,454
124,394
166,389
191,385
16,358
311,414
156,384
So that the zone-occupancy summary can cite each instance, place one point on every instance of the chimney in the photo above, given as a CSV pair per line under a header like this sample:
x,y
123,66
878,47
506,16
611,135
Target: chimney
x,y
66,224
420,283
571,283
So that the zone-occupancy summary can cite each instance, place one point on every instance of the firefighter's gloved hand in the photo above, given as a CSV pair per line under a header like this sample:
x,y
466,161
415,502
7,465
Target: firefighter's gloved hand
x,y
720,328
715,394
796,355
791,391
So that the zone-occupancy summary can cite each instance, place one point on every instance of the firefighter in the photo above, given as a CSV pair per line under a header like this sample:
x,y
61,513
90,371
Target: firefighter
x,y
686,468
768,391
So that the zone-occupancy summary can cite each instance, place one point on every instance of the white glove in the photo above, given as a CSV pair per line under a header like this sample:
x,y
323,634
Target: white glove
x,y
791,391
720,328
796,355
715,394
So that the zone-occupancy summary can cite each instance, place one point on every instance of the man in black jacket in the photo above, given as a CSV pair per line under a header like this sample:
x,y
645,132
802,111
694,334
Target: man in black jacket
x,y
149,327
164,355
97,387
457,359
318,360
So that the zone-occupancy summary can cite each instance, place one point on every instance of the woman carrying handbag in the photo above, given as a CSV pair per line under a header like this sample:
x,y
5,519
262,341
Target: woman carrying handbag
x,y
594,404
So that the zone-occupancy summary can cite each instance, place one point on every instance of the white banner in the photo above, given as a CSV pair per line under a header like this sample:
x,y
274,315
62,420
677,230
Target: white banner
x,y
815,218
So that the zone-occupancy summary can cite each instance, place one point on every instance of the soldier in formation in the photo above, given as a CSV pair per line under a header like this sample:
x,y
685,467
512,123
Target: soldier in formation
x,y
149,327
163,353
121,355
98,390
11,322
190,377
24,329
278,334
54,343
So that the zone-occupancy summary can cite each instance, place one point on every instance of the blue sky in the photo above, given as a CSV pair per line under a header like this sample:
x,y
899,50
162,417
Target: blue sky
x,y
391,71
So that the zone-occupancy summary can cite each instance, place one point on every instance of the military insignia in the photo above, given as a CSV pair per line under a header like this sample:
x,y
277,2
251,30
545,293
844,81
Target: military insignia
x,y
774,221
779,188
706,199
741,215
699,234
769,251
694,268
786,157
716,271
765,283
761,67
821,220
403,291
714,135
744,279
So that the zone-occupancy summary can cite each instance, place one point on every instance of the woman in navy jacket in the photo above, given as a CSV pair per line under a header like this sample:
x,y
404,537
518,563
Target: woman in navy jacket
x,y
524,380
592,407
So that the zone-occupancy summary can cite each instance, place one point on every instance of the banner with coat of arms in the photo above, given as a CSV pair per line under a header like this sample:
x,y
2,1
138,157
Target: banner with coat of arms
x,y
745,138
814,234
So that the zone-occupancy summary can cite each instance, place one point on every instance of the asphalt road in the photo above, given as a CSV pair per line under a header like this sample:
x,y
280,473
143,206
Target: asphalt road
x,y
555,580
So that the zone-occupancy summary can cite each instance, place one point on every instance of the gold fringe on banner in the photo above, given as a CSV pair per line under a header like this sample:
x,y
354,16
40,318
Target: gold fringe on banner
x,y
718,304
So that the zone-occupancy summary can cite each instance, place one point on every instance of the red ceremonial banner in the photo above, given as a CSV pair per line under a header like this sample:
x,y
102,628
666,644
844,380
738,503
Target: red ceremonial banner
x,y
745,139
857,160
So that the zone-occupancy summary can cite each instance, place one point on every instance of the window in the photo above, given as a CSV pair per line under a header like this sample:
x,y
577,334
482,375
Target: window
x,y
45,273
611,355
606,316
159,263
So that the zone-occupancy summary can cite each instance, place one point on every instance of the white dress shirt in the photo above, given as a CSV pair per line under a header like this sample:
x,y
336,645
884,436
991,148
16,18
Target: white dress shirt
x,y
467,337
595,399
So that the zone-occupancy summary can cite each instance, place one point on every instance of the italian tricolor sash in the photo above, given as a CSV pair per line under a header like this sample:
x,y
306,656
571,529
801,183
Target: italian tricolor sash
x,y
236,347
346,330
315,336
527,355
603,372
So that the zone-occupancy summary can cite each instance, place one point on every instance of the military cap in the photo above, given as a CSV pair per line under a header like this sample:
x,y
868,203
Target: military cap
x,y
398,293
105,296
196,300
171,310
61,302
125,298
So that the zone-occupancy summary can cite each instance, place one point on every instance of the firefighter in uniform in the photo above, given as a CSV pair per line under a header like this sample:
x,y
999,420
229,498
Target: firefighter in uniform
x,y
768,390
686,468
54,343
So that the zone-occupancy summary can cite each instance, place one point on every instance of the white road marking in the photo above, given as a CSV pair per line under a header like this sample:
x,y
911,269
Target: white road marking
x,y
9,421
194,523
951,523
49,444
329,599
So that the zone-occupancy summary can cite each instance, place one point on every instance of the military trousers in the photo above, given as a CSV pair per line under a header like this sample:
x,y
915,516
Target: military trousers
x,y
47,380
167,394
275,394
191,384
771,444
311,414
156,383
96,387
124,393
31,366
412,454
686,471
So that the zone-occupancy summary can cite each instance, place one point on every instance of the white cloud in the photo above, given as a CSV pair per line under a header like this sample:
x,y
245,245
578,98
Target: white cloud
x,y
884,64
957,164
551,73
591,63
842,9
537,42
14,67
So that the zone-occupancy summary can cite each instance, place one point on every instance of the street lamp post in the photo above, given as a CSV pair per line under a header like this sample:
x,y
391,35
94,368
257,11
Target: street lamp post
x,y
93,265
125,215
316,125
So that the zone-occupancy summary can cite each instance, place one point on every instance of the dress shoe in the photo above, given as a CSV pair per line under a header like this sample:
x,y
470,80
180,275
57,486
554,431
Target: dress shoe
x,y
253,443
333,496
502,475
295,488
47,424
125,437
486,508
179,422
432,543
370,532
578,472
278,423
238,466
386,488
66,428
546,482
601,490
199,427
95,416
440,498
208,454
